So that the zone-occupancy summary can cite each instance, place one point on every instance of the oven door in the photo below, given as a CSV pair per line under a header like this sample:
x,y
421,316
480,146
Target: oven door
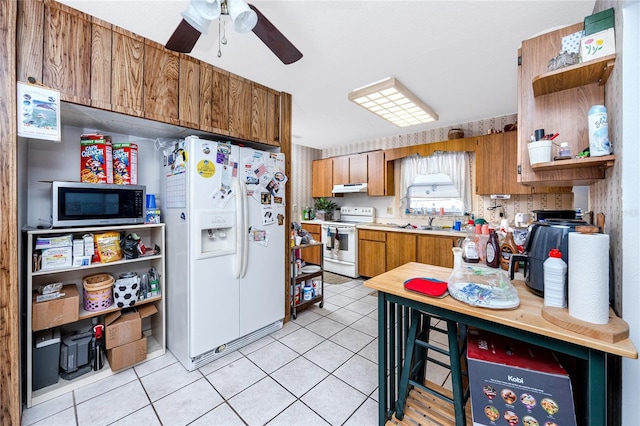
x,y
340,243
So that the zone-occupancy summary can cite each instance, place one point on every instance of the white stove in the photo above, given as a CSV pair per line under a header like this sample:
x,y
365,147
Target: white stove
x,y
340,240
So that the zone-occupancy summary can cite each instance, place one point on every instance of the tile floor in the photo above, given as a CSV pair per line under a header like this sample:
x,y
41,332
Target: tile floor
x,y
318,369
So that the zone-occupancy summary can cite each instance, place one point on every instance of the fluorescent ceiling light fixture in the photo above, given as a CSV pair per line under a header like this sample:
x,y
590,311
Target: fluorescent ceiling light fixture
x,y
392,101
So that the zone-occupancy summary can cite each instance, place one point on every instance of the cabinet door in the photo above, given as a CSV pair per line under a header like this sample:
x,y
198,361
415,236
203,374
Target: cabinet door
x,y
214,99
358,170
273,118
240,96
126,69
67,53
510,183
161,81
490,165
380,180
371,258
401,248
259,95
435,250
101,50
340,170
322,178
189,92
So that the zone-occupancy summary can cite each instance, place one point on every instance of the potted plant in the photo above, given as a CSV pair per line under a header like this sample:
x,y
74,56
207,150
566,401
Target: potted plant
x,y
324,208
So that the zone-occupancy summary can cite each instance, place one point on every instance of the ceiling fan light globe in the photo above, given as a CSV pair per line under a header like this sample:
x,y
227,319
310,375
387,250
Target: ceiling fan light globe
x,y
200,13
244,19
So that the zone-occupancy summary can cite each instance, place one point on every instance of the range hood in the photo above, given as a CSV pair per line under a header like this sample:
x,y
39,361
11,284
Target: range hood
x,y
349,187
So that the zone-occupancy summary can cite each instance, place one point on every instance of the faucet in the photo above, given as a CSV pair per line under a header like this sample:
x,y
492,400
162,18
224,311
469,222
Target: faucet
x,y
431,220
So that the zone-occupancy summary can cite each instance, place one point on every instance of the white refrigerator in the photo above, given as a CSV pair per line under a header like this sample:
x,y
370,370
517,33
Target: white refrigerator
x,y
224,210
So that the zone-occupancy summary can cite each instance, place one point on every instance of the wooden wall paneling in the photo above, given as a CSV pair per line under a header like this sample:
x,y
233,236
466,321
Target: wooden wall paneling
x,y
67,46
101,47
240,97
161,71
273,117
189,92
10,374
259,111
127,72
30,32
285,147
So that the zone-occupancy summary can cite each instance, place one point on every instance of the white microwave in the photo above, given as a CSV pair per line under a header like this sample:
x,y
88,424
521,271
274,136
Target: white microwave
x,y
91,204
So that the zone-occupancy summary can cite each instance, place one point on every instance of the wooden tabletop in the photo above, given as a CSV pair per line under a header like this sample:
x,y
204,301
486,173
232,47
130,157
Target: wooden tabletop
x,y
528,316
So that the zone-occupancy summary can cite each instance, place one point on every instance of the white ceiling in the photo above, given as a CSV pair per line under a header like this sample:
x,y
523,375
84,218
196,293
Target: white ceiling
x,y
459,57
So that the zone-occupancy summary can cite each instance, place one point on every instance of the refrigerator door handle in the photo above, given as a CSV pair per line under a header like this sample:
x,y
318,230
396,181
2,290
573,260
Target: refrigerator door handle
x,y
238,261
245,229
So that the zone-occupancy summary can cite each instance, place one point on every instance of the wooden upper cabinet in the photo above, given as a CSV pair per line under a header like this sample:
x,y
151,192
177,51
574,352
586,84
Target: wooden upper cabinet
x,y
273,118
259,95
380,179
240,101
189,92
161,83
564,112
127,72
358,170
214,99
322,180
340,175
30,36
67,53
101,47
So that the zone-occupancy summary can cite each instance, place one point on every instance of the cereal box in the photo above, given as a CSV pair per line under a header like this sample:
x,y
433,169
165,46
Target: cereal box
x,y
96,163
125,164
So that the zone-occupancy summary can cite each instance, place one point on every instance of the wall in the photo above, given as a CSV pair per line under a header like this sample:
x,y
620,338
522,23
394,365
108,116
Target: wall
x,y
303,156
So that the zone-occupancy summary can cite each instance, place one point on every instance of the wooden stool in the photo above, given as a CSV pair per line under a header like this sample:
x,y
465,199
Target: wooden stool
x,y
417,356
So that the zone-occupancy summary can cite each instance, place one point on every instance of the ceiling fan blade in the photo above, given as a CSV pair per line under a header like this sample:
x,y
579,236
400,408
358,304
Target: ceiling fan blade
x,y
183,38
275,40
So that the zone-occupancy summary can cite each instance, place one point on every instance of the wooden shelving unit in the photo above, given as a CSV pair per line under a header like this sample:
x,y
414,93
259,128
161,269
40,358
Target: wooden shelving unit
x,y
595,71
603,162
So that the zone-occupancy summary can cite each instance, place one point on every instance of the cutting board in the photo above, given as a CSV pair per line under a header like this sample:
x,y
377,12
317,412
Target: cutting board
x,y
617,329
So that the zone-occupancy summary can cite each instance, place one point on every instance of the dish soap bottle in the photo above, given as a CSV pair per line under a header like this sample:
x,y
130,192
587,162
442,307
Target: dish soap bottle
x,y
469,248
508,248
493,250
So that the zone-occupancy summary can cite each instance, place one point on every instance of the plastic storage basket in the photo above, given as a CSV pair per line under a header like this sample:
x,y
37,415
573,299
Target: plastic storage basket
x,y
97,292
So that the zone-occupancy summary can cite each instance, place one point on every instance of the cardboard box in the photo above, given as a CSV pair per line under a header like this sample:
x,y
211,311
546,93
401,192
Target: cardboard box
x,y
599,22
53,242
597,45
127,355
126,327
96,159
52,313
125,163
514,382
54,258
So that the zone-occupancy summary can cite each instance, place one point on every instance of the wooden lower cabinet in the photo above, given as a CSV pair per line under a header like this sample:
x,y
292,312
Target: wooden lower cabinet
x,y
313,254
371,252
436,250
401,249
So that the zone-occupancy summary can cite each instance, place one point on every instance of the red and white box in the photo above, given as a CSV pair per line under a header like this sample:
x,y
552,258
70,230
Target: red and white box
x,y
96,162
125,164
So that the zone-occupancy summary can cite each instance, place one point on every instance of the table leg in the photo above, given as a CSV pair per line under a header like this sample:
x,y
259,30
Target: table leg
x,y
597,388
383,338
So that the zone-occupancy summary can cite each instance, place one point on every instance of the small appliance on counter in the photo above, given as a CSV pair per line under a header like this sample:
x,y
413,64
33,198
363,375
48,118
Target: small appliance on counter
x,y
542,237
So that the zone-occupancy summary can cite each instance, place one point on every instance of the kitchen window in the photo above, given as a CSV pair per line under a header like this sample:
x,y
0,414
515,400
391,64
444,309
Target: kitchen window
x,y
437,184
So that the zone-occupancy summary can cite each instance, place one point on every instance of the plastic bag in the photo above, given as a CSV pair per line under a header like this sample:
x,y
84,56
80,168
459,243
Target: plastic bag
x,y
108,245
482,286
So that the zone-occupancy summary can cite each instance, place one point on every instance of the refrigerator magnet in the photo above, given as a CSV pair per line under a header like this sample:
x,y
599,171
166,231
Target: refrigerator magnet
x,y
268,215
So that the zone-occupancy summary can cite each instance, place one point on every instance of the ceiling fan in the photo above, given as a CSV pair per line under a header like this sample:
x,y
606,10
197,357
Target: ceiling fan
x,y
245,17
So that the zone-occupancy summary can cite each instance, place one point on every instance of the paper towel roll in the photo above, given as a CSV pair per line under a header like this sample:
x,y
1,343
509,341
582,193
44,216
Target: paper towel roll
x,y
589,277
